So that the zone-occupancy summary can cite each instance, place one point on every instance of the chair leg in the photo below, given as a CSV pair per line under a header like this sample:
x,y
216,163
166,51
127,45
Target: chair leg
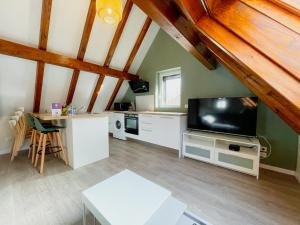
x,y
13,150
31,144
38,149
65,157
43,154
34,146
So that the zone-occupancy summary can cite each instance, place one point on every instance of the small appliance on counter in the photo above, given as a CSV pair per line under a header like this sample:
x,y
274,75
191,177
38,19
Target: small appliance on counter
x,y
119,106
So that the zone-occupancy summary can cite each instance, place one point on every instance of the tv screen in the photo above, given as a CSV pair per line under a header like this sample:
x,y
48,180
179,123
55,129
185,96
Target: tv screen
x,y
223,115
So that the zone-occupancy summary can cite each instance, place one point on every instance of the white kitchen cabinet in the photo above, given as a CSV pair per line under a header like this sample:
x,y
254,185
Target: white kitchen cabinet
x,y
164,130
147,128
168,131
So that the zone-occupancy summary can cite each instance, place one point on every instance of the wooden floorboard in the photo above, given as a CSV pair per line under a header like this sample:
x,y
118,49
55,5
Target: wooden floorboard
x,y
218,195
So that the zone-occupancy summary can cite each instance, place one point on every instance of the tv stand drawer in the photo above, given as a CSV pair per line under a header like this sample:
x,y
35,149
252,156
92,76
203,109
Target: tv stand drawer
x,y
199,153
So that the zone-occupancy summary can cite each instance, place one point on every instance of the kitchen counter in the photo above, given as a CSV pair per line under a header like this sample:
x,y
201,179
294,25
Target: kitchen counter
x,y
153,113
48,116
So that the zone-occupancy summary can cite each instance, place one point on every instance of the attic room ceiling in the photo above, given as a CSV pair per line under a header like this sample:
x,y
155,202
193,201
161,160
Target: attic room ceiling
x,y
73,33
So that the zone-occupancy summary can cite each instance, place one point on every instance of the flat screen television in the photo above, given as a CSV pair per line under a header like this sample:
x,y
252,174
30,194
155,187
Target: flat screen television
x,y
223,115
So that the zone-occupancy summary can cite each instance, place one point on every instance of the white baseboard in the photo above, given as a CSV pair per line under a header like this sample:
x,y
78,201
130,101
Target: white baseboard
x,y
4,151
297,177
278,169
7,151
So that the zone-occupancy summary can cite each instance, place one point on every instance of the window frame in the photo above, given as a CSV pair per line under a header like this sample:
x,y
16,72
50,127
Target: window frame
x,y
160,90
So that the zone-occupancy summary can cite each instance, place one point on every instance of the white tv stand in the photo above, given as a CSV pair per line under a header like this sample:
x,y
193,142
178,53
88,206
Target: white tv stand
x,y
214,148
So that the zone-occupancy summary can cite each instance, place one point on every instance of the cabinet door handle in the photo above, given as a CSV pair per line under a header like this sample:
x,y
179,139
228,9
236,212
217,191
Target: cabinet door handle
x,y
146,130
166,117
148,123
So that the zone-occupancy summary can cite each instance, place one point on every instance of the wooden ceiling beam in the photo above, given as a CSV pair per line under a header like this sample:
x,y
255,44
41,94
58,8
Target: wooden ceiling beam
x,y
96,91
167,15
114,94
82,49
292,6
131,57
118,33
138,44
111,51
276,13
259,30
193,9
30,53
44,30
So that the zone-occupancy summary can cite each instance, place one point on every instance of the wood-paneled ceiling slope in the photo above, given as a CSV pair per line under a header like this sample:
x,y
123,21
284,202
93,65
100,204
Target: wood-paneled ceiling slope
x,y
258,40
43,56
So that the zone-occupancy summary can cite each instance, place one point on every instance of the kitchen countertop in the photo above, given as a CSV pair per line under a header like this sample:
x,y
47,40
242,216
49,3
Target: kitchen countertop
x,y
153,113
48,116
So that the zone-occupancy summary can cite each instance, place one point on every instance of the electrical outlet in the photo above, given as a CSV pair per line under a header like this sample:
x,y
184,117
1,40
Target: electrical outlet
x,y
263,155
264,149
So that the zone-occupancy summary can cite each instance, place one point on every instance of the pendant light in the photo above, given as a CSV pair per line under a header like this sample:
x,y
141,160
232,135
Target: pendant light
x,y
110,11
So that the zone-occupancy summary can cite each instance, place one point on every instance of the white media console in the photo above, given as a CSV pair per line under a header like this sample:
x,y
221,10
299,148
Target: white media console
x,y
214,148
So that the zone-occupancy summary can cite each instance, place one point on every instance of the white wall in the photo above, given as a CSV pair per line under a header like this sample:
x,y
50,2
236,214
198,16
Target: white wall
x,y
17,76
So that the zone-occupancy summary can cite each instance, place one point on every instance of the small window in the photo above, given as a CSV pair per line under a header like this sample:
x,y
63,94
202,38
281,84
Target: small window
x,y
169,88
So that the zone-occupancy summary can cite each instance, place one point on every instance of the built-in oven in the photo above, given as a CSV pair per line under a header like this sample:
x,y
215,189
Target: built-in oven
x,y
132,123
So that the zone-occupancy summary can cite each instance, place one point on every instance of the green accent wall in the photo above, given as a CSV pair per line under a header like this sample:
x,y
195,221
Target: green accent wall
x,y
197,81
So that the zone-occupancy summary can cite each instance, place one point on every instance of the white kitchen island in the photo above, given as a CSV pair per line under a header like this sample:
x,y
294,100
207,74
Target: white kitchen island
x,y
86,137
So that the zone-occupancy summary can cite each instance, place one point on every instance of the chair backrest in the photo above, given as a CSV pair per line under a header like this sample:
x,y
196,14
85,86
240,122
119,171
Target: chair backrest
x,y
12,123
21,109
19,113
30,120
38,125
16,118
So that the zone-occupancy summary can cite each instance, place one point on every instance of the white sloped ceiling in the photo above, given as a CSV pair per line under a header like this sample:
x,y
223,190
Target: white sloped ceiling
x,y
20,22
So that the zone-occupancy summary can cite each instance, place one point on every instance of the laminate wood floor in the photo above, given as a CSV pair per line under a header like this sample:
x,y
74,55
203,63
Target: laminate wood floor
x,y
218,195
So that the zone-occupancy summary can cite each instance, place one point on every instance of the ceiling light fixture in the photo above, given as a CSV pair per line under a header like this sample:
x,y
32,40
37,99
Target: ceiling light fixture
x,y
110,11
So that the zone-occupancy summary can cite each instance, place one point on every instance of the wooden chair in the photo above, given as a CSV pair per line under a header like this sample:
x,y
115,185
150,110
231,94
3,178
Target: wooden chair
x,y
17,136
53,135
33,138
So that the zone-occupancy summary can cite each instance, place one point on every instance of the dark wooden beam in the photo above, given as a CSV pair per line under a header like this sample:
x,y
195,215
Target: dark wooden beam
x,y
111,51
44,30
193,9
138,43
168,17
82,49
30,53
97,90
118,33
114,94
131,57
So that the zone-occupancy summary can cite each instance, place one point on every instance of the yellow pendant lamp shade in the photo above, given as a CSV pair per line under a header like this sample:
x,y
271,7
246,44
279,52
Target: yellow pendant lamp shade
x,y
110,10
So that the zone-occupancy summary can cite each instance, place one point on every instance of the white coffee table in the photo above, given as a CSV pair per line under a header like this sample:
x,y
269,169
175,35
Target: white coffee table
x,y
129,199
